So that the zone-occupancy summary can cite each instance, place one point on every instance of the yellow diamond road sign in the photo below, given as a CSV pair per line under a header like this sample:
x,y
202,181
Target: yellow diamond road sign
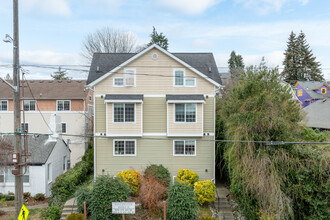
x,y
23,214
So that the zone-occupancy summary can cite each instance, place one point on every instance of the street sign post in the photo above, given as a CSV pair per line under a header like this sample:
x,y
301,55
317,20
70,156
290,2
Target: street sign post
x,y
123,208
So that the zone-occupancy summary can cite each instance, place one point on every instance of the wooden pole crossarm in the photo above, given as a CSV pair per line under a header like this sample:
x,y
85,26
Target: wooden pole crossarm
x,y
10,85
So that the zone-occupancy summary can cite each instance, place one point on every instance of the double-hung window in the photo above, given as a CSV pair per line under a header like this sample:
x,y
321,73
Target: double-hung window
x,y
184,148
3,105
299,92
181,80
185,112
63,128
8,177
118,81
123,112
29,105
323,91
124,148
63,105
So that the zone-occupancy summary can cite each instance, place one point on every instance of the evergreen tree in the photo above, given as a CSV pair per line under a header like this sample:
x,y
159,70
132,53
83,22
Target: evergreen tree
x,y
60,74
299,62
236,65
159,39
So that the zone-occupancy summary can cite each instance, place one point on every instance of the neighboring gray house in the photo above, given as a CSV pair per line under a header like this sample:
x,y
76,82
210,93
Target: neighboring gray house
x,y
50,157
318,114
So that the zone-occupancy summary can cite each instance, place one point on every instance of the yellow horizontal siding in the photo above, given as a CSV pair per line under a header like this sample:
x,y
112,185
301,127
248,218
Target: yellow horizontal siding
x,y
154,115
100,115
151,151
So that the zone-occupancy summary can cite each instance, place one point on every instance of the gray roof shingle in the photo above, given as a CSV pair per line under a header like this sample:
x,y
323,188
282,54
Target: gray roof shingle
x,y
310,85
103,63
38,146
184,97
123,97
318,114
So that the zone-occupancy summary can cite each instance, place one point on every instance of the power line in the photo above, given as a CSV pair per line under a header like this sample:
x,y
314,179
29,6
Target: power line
x,y
198,140
27,82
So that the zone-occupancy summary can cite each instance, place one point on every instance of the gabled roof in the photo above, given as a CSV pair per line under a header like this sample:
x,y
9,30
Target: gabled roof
x,y
48,89
310,86
104,64
318,114
38,146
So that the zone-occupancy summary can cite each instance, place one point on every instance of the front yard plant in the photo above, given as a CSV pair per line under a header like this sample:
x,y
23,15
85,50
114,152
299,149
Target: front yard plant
x,y
159,172
132,178
204,191
106,190
181,202
187,176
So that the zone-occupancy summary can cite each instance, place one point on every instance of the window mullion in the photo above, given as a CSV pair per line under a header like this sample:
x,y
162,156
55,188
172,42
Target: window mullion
x,y
124,116
124,147
185,113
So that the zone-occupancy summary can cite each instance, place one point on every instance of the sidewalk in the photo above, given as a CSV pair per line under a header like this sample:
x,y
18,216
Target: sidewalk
x,y
12,208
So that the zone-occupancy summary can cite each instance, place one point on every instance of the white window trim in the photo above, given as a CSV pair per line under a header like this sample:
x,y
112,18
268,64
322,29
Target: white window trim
x,y
184,78
35,105
123,155
66,127
24,126
114,84
184,74
63,105
7,106
64,163
184,148
134,77
113,114
184,122
49,174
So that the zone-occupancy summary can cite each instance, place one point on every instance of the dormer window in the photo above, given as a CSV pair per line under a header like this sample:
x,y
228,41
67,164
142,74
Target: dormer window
x,y
323,91
299,92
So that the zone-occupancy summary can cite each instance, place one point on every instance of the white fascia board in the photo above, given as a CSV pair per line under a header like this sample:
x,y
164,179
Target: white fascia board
x,y
124,135
185,101
145,51
185,135
123,101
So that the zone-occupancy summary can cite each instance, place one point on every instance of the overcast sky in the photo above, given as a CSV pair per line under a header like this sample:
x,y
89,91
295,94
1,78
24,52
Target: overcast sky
x,y
52,31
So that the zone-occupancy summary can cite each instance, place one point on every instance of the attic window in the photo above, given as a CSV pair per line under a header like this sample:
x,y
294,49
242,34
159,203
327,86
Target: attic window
x,y
323,91
299,92
154,56
129,77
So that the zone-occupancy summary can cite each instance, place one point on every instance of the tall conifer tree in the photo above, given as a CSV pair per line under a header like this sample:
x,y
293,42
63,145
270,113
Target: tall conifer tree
x,y
299,62
236,65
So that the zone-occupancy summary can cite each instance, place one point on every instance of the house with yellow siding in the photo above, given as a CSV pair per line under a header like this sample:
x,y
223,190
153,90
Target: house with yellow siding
x,y
154,107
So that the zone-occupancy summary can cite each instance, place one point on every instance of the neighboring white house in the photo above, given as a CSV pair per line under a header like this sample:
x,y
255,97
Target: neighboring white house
x,y
42,98
50,157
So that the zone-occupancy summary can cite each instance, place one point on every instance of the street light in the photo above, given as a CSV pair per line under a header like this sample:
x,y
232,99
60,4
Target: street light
x,y
8,39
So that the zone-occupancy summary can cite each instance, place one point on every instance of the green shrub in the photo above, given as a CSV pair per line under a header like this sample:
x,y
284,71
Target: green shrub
x,y
52,213
187,176
26,195
159,172
89,156
75,216
66,184
39,197
204,191
132,178
106,190
9,197
1,195
181,202
84,195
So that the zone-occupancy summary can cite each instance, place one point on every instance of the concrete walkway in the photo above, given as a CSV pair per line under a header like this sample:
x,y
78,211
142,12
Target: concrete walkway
x,y
222,203
12,208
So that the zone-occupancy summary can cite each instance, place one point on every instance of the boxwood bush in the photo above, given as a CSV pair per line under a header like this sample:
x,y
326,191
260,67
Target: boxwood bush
x,y
159,172
106,190
181,202
66,184
52,213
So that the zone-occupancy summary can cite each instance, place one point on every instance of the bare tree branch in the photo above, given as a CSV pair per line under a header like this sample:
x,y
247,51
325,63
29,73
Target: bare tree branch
x,y
6,147
108,40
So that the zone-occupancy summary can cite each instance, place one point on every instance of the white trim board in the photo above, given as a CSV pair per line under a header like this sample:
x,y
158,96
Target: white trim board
x,y
95,82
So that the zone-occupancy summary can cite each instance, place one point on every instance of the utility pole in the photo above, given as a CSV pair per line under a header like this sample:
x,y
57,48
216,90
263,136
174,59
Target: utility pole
x,y
17,115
